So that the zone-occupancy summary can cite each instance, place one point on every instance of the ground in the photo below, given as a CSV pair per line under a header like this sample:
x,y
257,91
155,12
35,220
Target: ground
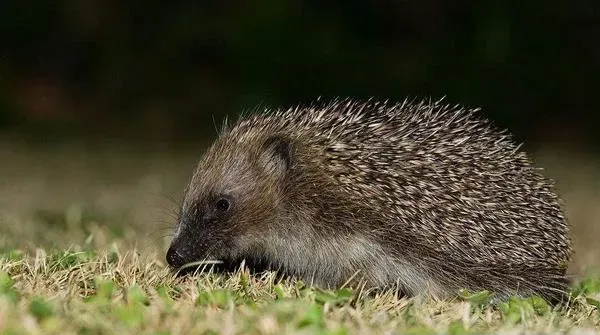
x,y
83,230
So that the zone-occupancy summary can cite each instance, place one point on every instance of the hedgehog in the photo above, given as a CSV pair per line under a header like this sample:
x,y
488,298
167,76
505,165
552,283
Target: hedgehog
x,y
420,195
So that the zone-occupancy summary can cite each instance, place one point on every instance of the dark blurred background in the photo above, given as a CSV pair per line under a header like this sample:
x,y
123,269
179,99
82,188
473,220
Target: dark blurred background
x,y
162,71
128,93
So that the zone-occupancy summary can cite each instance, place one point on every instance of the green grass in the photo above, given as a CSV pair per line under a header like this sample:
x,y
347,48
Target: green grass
x,y
87,292
82,244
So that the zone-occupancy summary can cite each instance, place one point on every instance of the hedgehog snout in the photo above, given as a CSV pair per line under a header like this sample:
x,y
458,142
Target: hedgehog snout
x,y
198,238
174,258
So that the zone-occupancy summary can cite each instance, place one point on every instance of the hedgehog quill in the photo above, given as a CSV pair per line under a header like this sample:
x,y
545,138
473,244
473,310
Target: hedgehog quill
x,y
424,196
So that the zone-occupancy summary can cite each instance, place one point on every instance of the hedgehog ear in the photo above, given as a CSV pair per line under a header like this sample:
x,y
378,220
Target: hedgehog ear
x,y
276,155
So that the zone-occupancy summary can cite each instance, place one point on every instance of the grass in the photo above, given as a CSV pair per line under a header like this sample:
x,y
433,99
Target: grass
x,y
82,243
80,291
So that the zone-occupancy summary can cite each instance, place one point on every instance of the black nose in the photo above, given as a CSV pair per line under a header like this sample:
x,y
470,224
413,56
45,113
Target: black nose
x,y
174,259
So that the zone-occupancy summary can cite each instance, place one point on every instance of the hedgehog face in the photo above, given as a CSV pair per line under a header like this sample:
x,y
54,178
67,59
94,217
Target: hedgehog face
x,y
233,203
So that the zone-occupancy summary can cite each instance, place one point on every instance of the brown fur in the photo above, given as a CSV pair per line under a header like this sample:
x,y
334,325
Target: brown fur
x,y
426,196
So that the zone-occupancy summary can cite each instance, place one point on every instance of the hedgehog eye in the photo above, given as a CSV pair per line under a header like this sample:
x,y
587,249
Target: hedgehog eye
x,y
222,205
